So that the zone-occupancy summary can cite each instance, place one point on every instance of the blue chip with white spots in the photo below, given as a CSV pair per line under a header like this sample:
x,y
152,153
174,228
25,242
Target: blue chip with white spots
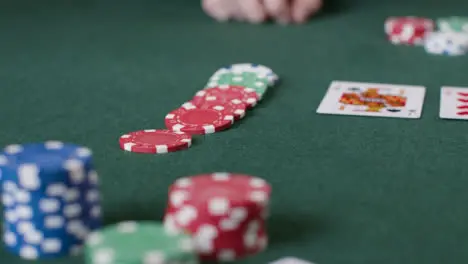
x,y
50,194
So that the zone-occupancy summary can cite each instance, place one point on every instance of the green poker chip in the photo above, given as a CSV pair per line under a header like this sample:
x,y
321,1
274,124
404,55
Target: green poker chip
x,y
453,24
262,70
246,79
138,243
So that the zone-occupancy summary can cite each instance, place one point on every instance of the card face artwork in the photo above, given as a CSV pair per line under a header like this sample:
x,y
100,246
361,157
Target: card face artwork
x,y
290,260
373,99
454,103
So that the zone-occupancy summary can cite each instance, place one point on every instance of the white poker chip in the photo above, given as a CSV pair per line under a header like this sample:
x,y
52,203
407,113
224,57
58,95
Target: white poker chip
x,y
290,260
446,43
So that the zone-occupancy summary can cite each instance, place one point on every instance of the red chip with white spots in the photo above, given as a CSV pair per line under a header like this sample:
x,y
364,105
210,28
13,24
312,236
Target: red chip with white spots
x,y
237,188
225,214
236,106
155,141
193,120
225,93
408,30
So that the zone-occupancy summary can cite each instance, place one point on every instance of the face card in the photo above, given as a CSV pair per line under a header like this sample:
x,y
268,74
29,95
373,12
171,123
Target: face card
x,y
290,260
454,103
373,99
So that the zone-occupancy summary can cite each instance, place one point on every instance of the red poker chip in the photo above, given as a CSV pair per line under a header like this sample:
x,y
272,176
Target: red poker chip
x,y
236,106
193,120
240,239
238,188
418,23
225,93
408,30
155,141
225,209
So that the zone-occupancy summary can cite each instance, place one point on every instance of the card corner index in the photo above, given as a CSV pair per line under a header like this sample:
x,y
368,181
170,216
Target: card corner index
x,y
332,94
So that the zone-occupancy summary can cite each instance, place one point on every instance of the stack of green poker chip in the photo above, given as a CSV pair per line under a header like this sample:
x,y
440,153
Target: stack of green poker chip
x,y
138,243
245,79
453,24
256,77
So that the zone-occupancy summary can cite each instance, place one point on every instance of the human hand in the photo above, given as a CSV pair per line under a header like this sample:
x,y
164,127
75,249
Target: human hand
x,y
257,11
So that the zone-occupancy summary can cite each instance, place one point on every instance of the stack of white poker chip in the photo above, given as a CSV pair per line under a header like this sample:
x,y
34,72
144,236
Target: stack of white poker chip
x,y
50,198
447,43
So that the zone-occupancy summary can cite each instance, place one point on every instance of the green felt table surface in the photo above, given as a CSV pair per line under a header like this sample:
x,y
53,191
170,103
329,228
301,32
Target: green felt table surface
x,y
346,190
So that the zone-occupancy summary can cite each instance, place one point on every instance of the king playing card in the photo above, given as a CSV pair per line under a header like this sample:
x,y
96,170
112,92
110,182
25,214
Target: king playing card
x,y
373,99
454,103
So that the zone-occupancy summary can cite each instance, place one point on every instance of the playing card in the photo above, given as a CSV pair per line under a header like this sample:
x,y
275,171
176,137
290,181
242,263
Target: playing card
x,y
373,99
454,103
290,260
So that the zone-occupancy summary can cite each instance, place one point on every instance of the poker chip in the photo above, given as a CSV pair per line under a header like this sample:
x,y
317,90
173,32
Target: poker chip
x,y
223,93
446,43
138,242
193,120
245,79
225,213
453,24
235,106
155,141
408,30
51,199
259,69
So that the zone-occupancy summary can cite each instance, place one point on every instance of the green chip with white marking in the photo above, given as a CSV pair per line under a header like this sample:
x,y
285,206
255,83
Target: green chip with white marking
x,y
453,24
262,70
138,243
246,79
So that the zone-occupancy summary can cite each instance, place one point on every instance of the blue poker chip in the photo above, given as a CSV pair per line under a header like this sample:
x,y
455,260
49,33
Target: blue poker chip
x,y
44,155
50,198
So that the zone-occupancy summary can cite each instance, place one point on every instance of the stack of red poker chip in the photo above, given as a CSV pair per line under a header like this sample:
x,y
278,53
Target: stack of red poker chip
x,y
225,213
408,30
212,110
196,120
225,93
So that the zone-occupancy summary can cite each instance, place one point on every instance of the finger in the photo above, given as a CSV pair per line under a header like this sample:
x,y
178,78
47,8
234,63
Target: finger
x,y
252,10
221,10
303,9
278,10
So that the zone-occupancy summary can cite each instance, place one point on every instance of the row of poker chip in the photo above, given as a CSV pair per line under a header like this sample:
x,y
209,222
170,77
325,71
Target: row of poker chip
x,y
225,214
449,38
227,96
229,93
50,198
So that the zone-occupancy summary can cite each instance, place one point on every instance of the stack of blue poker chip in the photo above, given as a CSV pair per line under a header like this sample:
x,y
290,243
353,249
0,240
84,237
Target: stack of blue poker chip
x,y
51,200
